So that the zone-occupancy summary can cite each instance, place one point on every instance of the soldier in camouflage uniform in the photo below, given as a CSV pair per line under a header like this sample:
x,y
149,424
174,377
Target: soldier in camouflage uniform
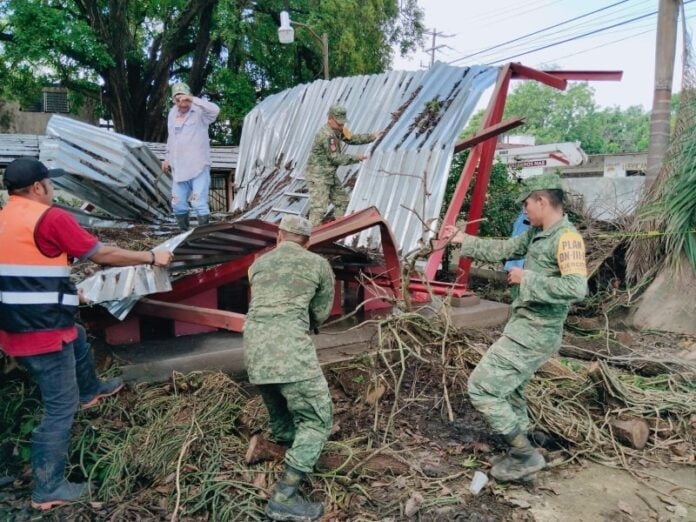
x,y
554,276
325,157
292,293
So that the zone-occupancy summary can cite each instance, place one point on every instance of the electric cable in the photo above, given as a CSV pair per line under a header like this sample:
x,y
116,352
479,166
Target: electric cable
x,y
540,30
577,37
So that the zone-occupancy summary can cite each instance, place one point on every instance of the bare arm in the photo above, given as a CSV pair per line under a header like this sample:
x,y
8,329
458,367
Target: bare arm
x,y
114,256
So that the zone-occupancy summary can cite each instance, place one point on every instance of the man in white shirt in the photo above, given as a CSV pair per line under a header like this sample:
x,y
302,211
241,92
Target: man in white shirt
x,y
188,154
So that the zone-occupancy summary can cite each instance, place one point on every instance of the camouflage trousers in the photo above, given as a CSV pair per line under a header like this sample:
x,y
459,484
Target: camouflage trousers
x,y
496,386
300,413
325,188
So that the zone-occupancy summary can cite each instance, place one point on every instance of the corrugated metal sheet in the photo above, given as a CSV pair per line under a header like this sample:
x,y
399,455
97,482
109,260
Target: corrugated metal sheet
x,y
223,158
13,146
118,283
118,289
114,172
425,112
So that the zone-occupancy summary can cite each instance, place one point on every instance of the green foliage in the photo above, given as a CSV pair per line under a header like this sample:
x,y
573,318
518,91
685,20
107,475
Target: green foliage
x,y
555,116
500,209
124,54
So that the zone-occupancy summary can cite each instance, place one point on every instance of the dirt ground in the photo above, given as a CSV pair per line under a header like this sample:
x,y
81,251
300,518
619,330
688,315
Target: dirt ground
x,y
590,492
440,458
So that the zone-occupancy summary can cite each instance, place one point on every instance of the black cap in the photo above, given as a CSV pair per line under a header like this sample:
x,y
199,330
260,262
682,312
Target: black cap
x,y
22,172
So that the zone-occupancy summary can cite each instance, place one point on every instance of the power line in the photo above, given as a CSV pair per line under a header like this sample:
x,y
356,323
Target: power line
x,y
541,30
519,8
529,46
589,33
575,29
605,44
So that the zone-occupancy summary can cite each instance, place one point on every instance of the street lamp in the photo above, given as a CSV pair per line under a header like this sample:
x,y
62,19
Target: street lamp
x,y
286,35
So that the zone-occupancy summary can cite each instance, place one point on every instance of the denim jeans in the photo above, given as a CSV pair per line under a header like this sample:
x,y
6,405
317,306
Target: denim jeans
x,y
65,379
195,191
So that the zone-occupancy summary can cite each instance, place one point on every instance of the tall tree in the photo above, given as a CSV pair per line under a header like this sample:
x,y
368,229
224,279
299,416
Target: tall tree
x,y
126,52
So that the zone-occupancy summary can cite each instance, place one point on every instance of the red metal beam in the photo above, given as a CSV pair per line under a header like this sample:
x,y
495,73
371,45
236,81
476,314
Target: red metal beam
x,y
481,157
357,222
480,160
231,321
211,278
166,304
488,132
585,76
522,71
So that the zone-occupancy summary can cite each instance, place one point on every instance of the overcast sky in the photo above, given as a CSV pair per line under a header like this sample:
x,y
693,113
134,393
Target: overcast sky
x,y
478,26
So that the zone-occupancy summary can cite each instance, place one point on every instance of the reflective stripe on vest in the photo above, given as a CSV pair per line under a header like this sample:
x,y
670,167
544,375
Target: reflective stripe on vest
x,y
34,271
36,293
22,298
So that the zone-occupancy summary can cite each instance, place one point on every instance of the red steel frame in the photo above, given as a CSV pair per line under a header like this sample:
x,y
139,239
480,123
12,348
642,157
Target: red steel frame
x,y
168,305
480,158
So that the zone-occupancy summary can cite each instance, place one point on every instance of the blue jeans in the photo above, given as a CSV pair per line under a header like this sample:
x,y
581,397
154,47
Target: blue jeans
x,y
195,191
65,379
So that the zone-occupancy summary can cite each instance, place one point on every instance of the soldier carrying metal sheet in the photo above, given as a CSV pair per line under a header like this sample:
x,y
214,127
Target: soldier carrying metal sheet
x,y
325,157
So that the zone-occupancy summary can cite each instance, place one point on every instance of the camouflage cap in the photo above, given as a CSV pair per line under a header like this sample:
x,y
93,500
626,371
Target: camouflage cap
x,y
296,225
180,88
542,182
339,113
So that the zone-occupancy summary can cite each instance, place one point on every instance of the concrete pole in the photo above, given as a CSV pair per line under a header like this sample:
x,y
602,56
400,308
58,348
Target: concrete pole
x,y
662,99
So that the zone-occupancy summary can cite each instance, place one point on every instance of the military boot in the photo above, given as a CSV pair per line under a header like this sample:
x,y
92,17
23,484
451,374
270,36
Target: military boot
x,y
522,459
286,503
183,221
541,439
203,220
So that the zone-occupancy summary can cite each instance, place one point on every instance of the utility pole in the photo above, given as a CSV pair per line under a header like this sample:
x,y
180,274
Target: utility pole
x,y
665,51
434,33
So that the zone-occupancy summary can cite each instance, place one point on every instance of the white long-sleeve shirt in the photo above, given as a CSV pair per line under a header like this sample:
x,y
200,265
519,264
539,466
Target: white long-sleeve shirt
x,y
188,144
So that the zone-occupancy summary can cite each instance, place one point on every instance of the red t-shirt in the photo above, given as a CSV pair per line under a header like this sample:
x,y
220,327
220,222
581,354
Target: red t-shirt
x,y
56,232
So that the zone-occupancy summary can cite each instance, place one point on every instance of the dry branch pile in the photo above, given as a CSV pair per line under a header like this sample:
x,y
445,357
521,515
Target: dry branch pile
x,y
179,448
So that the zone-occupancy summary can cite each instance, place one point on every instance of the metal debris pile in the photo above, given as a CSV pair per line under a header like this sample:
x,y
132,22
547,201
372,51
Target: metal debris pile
x,y
406,170
118,174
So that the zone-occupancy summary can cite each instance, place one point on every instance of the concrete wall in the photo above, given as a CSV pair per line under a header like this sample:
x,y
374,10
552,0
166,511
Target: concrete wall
x,y
13,120
607,198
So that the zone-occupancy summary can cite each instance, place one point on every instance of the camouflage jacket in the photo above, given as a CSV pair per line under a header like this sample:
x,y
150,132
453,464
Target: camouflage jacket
x,y
292,290
327,154
555,275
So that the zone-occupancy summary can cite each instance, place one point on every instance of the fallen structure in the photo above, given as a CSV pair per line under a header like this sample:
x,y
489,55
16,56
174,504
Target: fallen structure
x,y
114,172
423,113
396,198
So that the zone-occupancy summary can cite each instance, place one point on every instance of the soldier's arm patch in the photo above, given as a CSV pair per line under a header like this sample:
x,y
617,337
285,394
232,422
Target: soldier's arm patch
x,y
333,144
570,254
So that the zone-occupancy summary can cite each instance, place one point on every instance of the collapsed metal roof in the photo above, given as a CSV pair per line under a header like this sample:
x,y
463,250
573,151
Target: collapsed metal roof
x,y
119,289
114,172
423,111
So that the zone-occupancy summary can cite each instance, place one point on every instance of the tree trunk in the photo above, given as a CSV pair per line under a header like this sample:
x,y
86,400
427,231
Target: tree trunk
x,y
662,98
